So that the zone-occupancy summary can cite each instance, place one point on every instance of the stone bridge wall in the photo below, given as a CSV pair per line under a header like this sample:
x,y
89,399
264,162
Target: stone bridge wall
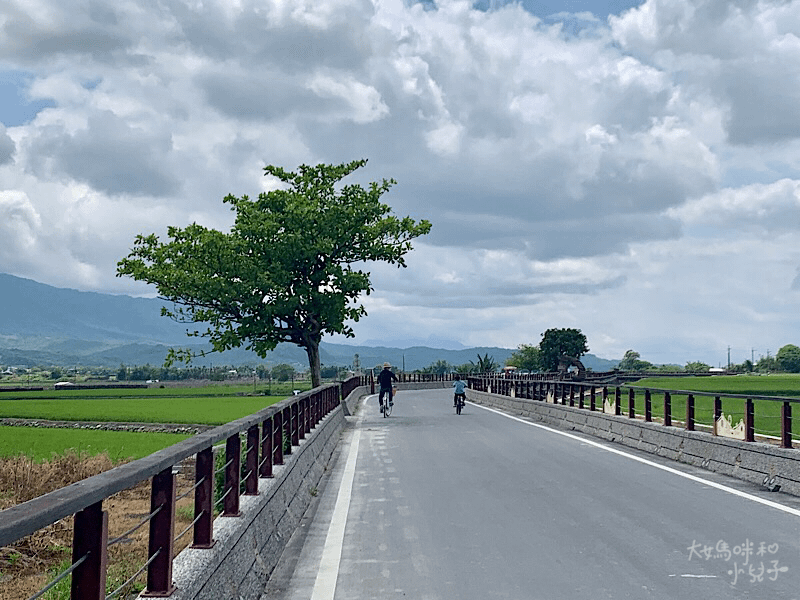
x,y
753,462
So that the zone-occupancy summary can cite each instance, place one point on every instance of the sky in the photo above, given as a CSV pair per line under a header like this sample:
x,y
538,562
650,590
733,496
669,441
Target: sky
x,y
629,169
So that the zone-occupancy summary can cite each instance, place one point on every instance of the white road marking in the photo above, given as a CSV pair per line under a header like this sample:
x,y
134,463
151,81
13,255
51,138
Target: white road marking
x,y
328,574
719,486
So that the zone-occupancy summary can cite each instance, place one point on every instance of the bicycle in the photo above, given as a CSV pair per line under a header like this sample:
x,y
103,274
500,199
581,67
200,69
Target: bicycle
x,y
459,398
386,407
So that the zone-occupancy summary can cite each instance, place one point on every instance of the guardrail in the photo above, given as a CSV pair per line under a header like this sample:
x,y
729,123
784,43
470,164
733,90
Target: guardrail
x,y
587,396
270,433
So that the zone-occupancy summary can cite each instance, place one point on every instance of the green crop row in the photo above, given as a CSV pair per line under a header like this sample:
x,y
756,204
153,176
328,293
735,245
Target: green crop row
x,y
282,389
41,444
205,410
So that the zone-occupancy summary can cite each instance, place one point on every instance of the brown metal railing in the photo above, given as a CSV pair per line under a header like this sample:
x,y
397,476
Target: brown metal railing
x,y
267,431
564,392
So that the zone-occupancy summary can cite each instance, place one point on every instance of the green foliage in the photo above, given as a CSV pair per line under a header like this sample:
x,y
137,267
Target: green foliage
x,y
561,341
330,372
282,372
527,357
632,362
788,358
285,272
696,367
440,367
485,364
767,364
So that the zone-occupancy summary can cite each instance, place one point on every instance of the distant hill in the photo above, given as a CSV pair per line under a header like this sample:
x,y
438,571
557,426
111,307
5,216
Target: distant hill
x,y
41,325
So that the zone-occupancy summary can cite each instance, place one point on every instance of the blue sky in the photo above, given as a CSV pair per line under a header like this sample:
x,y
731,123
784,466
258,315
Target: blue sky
x,y
628,169
16,108
544,8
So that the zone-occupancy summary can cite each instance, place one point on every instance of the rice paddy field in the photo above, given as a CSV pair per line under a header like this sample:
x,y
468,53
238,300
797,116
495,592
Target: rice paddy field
x,y
732,390
207,405
42,444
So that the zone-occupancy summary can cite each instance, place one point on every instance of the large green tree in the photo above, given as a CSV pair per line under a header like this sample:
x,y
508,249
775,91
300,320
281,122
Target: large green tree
x,y
527,357
556,342
289,270
633,362
788,358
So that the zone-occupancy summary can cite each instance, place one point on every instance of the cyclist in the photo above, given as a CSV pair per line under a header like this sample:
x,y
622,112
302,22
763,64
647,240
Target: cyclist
x,y
459,385
385,379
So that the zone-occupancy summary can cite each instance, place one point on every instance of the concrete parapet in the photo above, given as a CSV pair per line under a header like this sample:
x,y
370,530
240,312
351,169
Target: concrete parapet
x,y
749,461
424,385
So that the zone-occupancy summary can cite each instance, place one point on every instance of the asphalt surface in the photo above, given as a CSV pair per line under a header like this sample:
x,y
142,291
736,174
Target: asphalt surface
x,y
429,505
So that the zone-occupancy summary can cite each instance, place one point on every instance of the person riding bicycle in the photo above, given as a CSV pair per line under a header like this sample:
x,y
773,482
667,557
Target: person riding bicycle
x,y
459,385
385,379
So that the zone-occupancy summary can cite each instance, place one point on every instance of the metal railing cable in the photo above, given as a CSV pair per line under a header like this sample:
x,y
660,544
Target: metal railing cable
x,y
189,526
221,498
66,573
144,521
133,577
191,489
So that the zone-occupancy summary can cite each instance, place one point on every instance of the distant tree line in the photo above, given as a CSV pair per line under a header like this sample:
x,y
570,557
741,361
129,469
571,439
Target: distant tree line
x,y
282,372
484,364
787,360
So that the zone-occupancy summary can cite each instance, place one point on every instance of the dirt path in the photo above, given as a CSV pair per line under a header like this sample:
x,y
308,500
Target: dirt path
x,y
108,426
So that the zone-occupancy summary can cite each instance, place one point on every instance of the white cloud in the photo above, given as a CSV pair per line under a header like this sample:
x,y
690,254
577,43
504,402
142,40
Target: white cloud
x,y
770,208
363,101
630,178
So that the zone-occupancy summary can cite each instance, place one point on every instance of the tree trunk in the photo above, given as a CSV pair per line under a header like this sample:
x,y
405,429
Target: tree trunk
x,y
312,349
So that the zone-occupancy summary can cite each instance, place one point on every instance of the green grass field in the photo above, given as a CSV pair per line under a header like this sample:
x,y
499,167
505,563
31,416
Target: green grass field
x,y
195,410
749,385
212,405
767,413
40,444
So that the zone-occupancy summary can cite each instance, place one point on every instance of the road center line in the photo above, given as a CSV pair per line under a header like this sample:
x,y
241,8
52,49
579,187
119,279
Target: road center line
x,y
325,584
719,486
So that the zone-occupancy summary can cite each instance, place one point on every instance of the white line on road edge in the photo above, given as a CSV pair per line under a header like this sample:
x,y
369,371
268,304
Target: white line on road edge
x,y
719,486
325,584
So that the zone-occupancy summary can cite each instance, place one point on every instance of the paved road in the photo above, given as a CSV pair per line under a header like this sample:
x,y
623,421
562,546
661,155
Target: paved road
x,y
429,505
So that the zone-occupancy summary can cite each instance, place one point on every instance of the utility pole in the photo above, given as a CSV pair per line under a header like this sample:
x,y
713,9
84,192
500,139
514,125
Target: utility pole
x,y
729,358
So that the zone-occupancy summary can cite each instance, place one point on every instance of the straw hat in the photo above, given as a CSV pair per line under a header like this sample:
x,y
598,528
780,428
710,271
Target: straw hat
x,y
386,365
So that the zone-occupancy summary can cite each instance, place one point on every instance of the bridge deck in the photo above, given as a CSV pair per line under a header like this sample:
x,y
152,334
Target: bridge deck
x,y
430,505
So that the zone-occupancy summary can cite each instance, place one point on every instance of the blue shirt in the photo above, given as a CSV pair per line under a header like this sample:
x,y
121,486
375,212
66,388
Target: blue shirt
x,y
459,384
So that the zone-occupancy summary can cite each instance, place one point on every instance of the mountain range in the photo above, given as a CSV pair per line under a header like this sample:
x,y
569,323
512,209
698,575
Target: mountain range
x,y
41,325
